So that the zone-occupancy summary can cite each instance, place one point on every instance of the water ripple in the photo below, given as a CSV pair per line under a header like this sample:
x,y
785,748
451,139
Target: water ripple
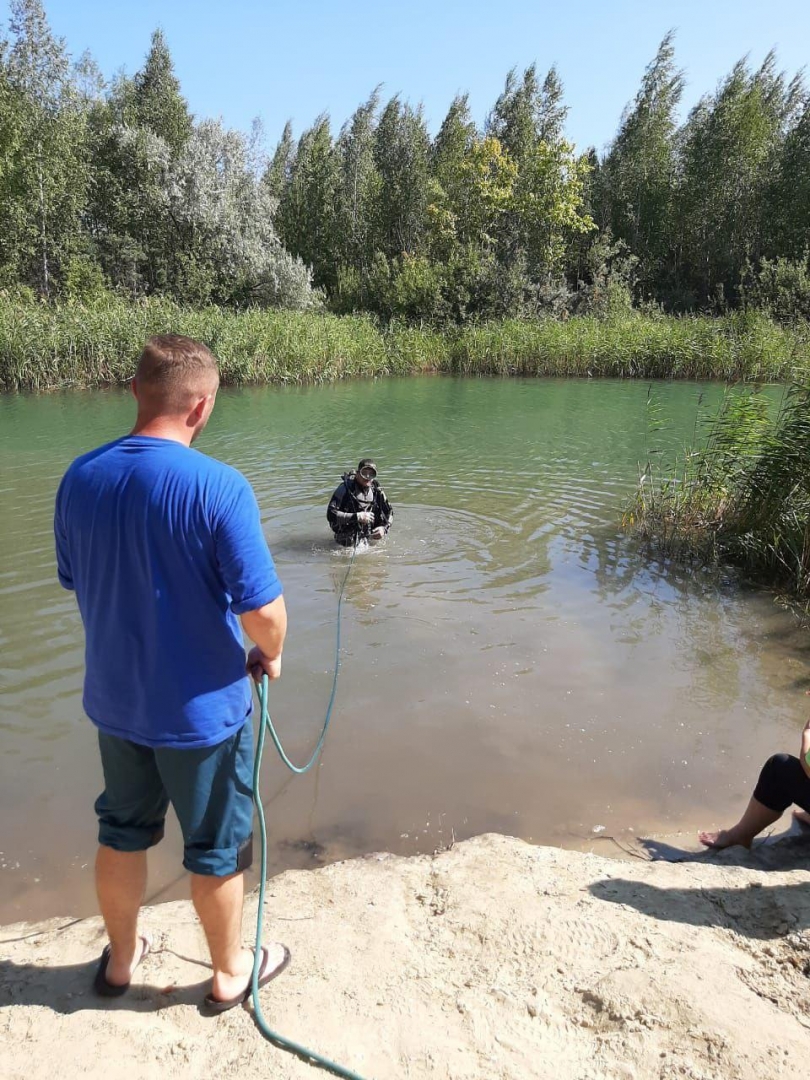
x,y
509,659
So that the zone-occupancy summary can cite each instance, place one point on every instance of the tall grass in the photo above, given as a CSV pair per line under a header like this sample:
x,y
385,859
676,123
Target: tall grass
x,y
739,346
743,497
44,347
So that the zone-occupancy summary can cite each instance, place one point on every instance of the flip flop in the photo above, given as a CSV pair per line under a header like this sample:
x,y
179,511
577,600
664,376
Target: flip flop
x,y
108,989
214,1005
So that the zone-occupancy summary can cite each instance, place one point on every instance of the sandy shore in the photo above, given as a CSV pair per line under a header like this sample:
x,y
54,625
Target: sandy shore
x,y
493,960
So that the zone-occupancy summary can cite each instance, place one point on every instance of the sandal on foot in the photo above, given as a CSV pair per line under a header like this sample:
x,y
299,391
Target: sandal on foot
x,y
108,989
266,975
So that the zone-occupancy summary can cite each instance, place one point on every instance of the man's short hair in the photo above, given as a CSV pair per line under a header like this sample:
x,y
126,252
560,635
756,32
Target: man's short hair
x,y
173,371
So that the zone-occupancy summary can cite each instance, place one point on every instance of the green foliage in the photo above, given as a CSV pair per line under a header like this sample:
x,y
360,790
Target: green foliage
x,y
781,287
546,207
636,184
225,245
83,281
359,189
119,187
451,146
401,156
528,111
743,497
45,175
609,279
457,229
306,211
787,197
156,101
730,141
96,341
278,171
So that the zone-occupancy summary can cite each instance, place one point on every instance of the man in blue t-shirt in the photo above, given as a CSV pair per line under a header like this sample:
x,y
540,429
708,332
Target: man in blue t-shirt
x,y
165,551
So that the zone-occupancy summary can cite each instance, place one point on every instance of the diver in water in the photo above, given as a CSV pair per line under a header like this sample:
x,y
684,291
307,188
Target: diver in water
x,y
359,510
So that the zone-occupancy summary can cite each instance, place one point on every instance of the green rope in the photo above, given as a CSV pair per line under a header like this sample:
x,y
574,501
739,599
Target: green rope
x,y
266,724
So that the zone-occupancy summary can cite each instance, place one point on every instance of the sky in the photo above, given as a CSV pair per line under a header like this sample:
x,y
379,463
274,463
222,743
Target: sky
x,y
282,59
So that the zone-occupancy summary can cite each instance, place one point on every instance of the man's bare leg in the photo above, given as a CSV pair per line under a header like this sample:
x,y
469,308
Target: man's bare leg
x,y
802,816
756,818
120,886
218,902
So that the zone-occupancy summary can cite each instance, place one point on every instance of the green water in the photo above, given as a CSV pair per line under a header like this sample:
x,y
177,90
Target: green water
x,y
511,661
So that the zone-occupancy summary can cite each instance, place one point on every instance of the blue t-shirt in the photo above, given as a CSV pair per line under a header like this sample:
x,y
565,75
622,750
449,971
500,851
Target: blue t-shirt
x,y
164,548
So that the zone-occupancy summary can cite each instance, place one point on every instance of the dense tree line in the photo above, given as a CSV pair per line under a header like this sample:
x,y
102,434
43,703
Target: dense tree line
x,y
118,187
720,206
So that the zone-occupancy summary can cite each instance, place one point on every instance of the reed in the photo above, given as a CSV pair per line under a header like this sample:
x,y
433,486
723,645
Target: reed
x,y
45,347
743,497
736,347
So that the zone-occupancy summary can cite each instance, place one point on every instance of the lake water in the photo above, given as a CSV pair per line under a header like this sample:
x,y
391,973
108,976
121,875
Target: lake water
x,y
511,661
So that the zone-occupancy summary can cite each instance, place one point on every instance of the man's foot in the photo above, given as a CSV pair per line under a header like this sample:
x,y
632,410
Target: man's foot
x,y
232,988
802,817
114,974
724,838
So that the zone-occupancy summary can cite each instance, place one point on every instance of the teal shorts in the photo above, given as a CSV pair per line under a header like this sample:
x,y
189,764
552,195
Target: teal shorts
x,y
210,789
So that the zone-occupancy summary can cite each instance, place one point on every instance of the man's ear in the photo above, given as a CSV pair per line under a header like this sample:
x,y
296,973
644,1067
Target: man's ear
x,y
199,409
133,385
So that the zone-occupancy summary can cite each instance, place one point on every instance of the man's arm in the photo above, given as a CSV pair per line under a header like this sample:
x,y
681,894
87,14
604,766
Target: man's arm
x,y
249,575
267,627
384,510
336,516
63,567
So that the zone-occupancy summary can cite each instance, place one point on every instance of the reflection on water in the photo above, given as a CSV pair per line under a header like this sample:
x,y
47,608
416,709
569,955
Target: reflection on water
x,y
510,661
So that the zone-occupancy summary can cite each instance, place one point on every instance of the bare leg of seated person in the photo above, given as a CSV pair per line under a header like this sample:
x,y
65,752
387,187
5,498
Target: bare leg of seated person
x,y
781,783
756,818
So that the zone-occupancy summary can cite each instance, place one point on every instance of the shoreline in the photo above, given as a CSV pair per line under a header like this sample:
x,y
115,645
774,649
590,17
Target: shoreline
x,y
97,345
494,958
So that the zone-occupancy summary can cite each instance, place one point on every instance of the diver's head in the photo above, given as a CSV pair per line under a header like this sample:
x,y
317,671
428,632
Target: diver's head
x,y
366,472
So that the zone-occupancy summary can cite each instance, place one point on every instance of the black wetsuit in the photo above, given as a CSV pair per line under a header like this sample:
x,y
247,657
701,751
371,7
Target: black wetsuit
x,y
351,499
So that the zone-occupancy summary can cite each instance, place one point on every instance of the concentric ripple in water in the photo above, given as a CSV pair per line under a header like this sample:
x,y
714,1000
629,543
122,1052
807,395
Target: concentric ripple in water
x,y
510,662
